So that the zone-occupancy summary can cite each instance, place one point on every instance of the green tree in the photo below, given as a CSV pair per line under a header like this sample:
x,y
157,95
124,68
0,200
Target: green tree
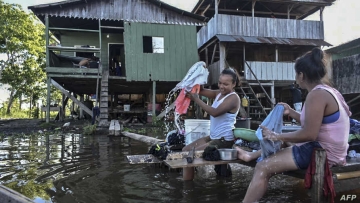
x,y
22,42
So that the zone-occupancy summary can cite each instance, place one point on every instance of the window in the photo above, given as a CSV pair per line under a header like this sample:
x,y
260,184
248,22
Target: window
x,y
153,44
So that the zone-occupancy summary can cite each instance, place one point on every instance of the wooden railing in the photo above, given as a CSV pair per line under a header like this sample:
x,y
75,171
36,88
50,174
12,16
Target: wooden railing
x,y
260,27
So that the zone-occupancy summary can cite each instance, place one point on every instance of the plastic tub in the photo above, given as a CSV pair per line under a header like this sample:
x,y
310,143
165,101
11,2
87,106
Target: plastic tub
x,y
245,134
196,129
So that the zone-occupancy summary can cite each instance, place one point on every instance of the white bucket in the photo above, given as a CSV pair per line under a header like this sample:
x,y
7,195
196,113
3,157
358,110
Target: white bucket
x,y
126,107
196,129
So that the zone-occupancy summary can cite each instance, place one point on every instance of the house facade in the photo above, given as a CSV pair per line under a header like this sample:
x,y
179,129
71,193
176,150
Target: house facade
x,y
262,40
141,47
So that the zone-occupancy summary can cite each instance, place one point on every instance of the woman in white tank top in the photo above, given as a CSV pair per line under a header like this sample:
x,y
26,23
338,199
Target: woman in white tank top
x,y
222,113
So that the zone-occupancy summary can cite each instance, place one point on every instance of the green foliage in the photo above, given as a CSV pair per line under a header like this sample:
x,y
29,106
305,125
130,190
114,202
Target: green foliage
x,y
89,129
23,44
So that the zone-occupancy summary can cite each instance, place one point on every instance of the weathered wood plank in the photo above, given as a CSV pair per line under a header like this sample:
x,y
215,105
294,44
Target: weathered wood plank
x,y
70,70
142,138
263,27
11,196
169,108
182,163
59,87
270,70
143,159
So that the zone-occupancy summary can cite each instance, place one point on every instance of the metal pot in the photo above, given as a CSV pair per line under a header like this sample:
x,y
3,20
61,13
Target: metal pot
x,y
228,154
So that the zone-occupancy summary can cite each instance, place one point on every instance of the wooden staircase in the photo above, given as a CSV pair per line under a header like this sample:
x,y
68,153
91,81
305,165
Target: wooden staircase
x,y
104,95
255,109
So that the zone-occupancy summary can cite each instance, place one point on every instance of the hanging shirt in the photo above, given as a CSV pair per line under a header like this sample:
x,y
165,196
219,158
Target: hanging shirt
x,y
223,125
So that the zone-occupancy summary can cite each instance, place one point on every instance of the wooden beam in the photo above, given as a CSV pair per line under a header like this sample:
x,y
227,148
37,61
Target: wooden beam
x,y
71,29
258,12
318,178
253,8
199,6
154,99
213,54
71,70
216,8
210,43
207,57
48,97
206,9
321,13
142,138
354,99
81,105
70,76
290,7
169,108
222,50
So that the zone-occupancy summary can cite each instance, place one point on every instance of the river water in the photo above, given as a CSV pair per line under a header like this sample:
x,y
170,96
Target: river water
x,y
72,168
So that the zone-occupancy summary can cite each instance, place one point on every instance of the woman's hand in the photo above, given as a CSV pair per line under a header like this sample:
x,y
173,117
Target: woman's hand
x,y
268,134
192,96
286,108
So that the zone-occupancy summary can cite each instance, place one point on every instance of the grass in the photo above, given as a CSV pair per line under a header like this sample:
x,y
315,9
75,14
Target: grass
x,y
89,129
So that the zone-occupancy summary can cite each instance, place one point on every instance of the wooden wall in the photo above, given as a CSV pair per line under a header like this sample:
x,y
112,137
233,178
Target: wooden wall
x,y
346,74
270,71
179,55
69,39
260,27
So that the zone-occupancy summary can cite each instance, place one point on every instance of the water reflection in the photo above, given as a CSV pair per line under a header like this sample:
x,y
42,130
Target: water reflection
x,y
85,169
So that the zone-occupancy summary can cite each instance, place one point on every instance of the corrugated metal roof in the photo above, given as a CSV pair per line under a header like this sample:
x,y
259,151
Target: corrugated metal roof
x,y
53,9
345,46
272,40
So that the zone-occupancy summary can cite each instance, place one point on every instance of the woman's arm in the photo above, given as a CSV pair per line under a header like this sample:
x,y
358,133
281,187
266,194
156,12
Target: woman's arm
x,y
315,103
211,94
227,105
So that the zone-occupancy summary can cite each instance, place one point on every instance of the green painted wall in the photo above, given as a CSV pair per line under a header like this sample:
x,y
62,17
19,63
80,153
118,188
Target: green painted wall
x,y
180,52
69,39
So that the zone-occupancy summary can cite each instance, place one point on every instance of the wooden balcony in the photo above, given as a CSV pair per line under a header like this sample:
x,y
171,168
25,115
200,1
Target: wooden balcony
x,y
72,72
277,71
260,27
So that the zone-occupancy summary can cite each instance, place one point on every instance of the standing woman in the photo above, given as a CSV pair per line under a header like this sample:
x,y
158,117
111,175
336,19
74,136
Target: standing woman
x,y
324,123
222,113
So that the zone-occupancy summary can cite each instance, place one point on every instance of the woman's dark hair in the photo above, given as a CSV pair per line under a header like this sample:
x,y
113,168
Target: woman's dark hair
x,y
312,65
234,74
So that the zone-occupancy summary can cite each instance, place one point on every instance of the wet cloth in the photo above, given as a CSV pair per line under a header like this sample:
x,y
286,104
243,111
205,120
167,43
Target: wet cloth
x,y
333,137
274,122
182,102
328,180
354,127
197,75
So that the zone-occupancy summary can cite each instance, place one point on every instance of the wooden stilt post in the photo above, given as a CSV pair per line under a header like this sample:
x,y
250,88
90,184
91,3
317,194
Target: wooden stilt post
x,y
317,195
81,110
154,99
48,101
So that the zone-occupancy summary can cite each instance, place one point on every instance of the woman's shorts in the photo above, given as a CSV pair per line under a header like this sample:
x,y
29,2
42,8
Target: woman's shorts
x,y
302,154
221,143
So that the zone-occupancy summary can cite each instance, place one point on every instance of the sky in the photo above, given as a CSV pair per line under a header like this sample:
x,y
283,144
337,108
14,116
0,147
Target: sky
x,y
340,20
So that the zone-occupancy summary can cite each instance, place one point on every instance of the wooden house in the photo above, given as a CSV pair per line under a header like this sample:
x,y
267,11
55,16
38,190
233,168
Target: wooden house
x,y
143,47
261,39
345,64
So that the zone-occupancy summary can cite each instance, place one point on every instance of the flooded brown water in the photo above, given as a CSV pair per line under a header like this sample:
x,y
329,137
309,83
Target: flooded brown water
x,y
86,169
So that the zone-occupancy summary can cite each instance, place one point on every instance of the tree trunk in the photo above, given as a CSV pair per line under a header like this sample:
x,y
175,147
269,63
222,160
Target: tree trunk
x,y
11,101
20,102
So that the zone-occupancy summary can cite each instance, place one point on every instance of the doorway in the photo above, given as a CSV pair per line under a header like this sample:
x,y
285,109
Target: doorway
x,y
116,59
